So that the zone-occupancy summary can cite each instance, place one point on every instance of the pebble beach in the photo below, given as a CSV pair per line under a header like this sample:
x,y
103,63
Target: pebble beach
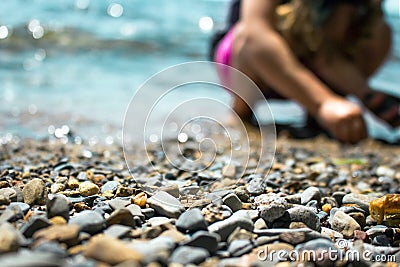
x,y
78,205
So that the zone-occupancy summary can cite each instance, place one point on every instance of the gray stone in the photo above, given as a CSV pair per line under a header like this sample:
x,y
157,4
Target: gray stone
x,y
9,194
35,192
232,201
203,239
148,212
89,221
122,217
11,214
135,210
257,185
344,224
23,206
31,259
110,186
191,221
51,247
34,224
118,231
172,189
381,240
240,247
189,190
320,247
165,204
305,215
359,199
270,207
186,255
58,205
311,193
226,227
118,203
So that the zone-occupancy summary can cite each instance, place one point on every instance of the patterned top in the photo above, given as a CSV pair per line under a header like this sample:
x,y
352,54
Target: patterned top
x,y
300,23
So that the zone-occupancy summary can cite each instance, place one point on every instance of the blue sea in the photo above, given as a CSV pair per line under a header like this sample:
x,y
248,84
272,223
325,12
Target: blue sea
x,y
77,63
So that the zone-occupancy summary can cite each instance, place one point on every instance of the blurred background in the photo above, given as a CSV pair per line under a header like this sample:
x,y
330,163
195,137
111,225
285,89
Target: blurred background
x,y
73,65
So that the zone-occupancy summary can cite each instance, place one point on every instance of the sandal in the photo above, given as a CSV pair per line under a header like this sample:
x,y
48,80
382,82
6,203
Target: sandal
x,y
385,107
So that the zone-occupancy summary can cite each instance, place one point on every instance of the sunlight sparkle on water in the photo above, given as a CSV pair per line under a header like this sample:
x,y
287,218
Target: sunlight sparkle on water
x,y
3,32
115,10
206,24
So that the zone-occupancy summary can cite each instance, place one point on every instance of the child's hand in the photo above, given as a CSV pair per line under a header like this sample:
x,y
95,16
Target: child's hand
x,y
342,119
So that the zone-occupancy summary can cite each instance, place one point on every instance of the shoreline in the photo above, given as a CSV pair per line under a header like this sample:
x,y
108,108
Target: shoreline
x,y
83,207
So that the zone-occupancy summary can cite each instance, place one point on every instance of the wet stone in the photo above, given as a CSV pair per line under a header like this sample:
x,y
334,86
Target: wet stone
x,y
35,192
33,225
110,186
89,221
165,204
191,221
232,201
186,255
344,224
57,205
204,239
311,193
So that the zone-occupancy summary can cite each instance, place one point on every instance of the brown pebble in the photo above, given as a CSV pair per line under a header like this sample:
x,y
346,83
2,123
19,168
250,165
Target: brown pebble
x,y
175,235
80,206
140,199
294,225
90,174
110,250
108,194
88,189
67,234
76,249
123,191
35,192
327,208
58,220
73,183
358,234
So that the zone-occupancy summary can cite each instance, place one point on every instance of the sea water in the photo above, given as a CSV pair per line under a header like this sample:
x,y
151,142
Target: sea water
x,y
79,62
